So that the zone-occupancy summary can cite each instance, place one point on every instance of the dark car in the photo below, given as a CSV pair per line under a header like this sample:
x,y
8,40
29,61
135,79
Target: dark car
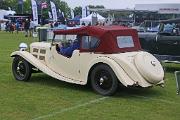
x,y
165,44
148,26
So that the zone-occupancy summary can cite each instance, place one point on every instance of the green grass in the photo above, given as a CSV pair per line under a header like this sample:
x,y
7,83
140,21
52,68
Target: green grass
x,y
46,98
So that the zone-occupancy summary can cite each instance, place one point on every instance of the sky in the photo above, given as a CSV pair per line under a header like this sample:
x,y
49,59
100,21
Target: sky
x,y
116,4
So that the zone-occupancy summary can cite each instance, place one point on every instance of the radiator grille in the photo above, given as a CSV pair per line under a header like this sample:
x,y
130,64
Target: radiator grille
x,y
41,57
35,50
42,51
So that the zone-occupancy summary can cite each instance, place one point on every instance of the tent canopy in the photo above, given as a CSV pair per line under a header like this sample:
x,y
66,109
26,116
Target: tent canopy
x,y
88,19
5,13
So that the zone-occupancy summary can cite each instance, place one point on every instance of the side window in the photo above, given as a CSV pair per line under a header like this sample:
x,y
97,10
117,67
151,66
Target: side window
x,y
85,42
89,42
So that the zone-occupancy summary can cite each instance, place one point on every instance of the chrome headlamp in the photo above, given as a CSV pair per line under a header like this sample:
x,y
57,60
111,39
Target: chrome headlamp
x,y
23,46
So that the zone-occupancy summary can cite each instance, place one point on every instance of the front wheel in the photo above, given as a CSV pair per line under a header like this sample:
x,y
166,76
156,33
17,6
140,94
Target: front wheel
x,y
21,69
104,80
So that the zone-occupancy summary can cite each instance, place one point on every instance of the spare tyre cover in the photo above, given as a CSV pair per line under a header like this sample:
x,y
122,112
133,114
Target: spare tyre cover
x,y
149,67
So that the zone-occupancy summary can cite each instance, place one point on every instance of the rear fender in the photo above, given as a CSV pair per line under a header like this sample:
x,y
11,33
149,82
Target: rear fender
x,y
120,73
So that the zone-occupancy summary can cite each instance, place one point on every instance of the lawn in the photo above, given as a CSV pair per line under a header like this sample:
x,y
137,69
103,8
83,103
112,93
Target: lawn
x,y
45,98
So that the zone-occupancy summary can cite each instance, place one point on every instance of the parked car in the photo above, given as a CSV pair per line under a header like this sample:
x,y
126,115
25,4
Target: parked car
x,y
165,44
108,55
148,26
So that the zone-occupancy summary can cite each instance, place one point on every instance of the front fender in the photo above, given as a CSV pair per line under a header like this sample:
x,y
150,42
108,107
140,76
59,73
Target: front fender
x,y
31,59
38,64
120,73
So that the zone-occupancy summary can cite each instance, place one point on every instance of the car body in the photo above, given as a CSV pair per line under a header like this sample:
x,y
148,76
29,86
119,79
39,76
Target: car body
x,y
148,26
165,44
108,55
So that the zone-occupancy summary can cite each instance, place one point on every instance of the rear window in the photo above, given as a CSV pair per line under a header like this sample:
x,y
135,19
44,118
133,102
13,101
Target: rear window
x,y
125,41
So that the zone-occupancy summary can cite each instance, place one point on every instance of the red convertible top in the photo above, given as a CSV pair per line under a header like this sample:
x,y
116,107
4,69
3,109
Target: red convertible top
x,y
107,35
91,30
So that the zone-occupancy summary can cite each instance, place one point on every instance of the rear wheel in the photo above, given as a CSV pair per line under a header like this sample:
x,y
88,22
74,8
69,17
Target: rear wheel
x,y
21,69
104,80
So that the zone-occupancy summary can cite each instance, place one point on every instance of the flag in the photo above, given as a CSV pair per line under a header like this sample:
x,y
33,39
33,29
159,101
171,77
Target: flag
x,y
50,15
62,14
87,11
44,5
54,12
59,11
34,10
83,12
72,13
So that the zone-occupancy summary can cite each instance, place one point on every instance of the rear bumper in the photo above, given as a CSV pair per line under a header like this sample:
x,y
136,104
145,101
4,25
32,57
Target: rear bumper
x,y
168,58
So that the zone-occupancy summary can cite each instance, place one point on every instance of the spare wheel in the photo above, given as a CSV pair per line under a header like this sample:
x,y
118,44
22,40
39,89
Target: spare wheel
x,y
149,67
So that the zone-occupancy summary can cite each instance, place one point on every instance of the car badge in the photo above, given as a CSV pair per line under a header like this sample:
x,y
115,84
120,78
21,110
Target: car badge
x,y
153,63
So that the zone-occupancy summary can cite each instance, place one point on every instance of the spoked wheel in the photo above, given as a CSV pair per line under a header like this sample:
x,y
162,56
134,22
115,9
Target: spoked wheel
x,y
104,80
21,69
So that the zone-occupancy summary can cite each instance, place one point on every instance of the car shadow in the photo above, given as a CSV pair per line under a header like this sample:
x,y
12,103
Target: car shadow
x,y
122,91
127,92
43,79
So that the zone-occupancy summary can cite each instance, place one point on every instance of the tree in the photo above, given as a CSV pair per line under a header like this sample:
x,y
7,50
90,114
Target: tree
x,y
5,4
97,6
27,7
63,6
77,10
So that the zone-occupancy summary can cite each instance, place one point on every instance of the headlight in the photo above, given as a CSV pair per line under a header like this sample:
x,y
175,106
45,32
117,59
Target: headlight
x,y
23,46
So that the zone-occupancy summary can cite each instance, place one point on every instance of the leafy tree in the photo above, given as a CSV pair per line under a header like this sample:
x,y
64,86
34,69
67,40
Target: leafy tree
x,y
63,6
97,6
77,10
27,7
5,4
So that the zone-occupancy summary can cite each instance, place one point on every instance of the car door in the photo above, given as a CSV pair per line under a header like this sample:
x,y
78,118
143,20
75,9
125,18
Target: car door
x,y
87,55
168,44
65,66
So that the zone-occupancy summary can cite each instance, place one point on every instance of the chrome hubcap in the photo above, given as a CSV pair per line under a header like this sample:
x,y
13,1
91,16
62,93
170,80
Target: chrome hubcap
x,y
101,80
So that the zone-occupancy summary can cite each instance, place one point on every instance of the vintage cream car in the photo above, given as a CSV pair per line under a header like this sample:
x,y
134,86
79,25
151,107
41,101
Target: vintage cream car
x,y
108,55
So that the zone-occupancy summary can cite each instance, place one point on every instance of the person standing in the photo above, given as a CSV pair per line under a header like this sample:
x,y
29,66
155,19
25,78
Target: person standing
x,y
12,27
31,28
26,27
17,27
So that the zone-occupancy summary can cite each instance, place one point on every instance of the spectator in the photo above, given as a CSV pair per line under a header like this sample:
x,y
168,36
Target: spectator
x,y
83,24
89,24
56,24
51,24
97,23
12,27
31,27
17,27
26,27
7,26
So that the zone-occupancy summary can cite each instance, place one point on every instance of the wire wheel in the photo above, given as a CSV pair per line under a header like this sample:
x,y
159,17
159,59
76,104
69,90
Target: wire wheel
x,y
104,80
21,69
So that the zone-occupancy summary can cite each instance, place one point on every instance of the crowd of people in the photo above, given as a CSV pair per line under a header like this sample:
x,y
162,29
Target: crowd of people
x,y
25,25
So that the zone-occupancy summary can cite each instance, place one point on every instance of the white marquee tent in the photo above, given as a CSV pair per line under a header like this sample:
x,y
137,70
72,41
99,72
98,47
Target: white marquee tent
x,y
6,12
88,19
